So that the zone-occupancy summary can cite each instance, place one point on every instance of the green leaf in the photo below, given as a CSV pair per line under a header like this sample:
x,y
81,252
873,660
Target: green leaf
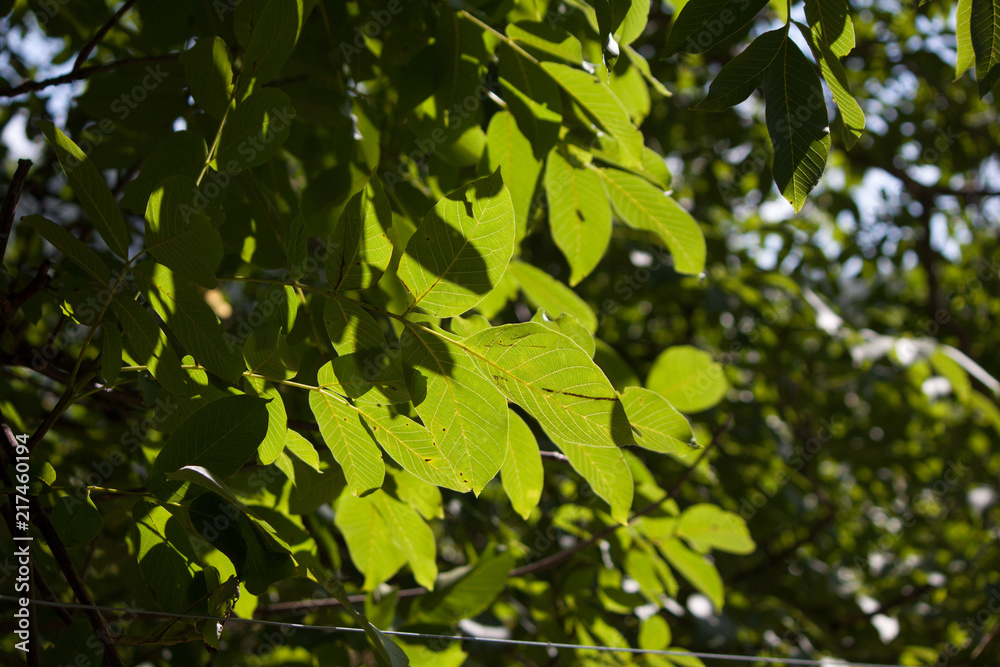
x,y
570,327
544,291
188,316
633,23
836,79
657,425
350,327
181,152
345,434
148,346
360,249
522,474
412,446
387,651
707,526
465,592
259,559
654,634
500,296
579,214
463,327
697,569
90,189
797,123
76,519
418,494
532,99
220,436
462,410
70,246
963,29
165,557
267,353
986,43
947,367
559,385
509,151
277,421
607,472
267,30
302,449
641,64
461,249
653,576
548,39
255,130
830,23
742,75
369,538
424,656
643,206
111,352
617,370
688,378
412,536
702,24
209,75
554,380
370,377
595,97
180,236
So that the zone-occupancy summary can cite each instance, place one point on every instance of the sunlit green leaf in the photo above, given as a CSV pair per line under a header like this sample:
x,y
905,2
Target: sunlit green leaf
x,y
461,249
522,472
579,214
688,378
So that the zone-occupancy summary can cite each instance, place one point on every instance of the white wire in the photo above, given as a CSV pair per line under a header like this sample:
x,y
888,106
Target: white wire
x,y
827,662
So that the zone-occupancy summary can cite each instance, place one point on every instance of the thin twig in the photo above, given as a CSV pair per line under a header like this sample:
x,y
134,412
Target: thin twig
x,y
10,203
99,35
82,73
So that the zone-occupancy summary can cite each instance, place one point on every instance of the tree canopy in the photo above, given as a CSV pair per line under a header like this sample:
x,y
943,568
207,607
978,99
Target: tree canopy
x,y
655,327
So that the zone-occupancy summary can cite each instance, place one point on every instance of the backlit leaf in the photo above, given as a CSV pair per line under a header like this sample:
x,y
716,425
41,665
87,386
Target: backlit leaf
x,y
461,249
180,236
579,214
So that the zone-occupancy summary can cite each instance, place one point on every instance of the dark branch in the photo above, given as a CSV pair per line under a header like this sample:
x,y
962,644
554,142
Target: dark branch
x,y
10,203
41,520
82,73
99,35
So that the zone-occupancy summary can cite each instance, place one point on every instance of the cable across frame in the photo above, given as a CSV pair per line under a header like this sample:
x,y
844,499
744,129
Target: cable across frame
x,y
731,657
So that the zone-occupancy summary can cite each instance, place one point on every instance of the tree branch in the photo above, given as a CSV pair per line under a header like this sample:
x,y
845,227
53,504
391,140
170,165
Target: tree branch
x,y
10,203
99,35
82,73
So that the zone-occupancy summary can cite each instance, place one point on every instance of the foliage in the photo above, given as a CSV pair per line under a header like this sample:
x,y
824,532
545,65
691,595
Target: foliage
x,y
431,316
